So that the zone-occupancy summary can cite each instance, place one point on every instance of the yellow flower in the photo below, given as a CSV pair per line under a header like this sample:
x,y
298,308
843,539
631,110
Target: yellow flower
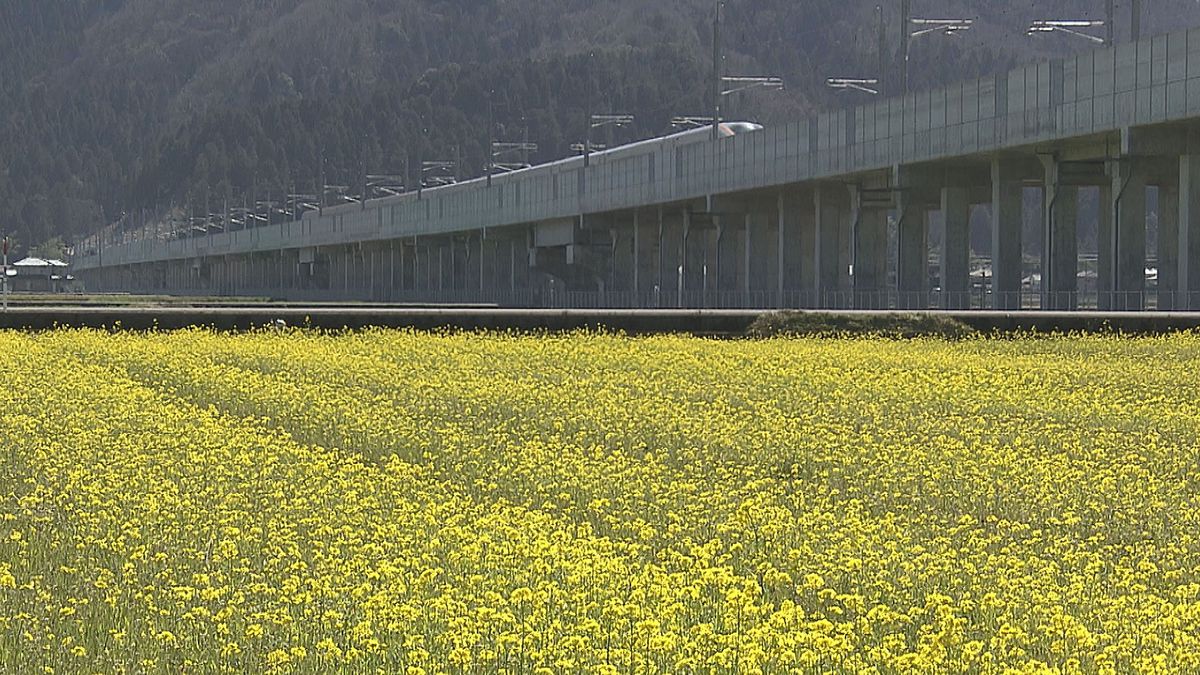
x,y
599,503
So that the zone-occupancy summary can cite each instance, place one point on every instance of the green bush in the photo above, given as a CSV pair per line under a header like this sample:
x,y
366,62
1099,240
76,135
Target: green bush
x,y
827,324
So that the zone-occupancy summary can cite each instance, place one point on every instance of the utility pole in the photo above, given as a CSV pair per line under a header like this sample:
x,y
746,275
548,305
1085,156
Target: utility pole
x,y
718,4
5,273
362,172
587,111
905,18
1110,16
882,45
526,147
321,180
491,134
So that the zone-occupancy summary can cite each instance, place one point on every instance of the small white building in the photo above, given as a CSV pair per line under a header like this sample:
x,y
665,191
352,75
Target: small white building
x,y
37,274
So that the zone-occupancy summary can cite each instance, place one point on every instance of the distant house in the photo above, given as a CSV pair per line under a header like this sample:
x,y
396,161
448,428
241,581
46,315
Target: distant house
x,y
36,274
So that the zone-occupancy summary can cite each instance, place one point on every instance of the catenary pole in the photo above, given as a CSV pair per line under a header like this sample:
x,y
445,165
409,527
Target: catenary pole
x,y
905,16
1110,15
716,92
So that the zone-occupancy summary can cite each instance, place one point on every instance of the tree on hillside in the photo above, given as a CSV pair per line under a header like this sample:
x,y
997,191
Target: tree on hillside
x,y
53,248
108,106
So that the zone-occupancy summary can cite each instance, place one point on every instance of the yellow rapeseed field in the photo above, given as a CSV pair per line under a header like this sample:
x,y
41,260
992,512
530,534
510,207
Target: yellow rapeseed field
x,y
400,502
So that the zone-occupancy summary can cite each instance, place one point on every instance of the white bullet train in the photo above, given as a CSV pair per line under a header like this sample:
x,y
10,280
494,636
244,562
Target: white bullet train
x,y
637,148
704,133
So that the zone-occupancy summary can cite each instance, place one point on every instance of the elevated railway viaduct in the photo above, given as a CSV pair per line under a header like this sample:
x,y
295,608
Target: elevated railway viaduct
x,y
833,211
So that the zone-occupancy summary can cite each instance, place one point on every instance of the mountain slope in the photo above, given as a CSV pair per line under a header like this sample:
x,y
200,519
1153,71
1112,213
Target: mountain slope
x,y
107,105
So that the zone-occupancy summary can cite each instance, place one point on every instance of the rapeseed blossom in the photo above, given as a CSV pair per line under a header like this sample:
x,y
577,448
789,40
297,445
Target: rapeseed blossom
x,y
394,501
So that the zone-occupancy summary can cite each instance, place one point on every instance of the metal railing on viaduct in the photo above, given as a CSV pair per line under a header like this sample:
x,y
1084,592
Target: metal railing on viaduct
x,y
831,211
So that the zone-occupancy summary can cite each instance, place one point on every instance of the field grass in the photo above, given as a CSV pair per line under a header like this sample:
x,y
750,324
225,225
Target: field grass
x,y
401,502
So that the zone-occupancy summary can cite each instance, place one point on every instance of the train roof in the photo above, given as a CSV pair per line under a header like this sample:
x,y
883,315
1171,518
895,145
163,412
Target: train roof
x,y
690,135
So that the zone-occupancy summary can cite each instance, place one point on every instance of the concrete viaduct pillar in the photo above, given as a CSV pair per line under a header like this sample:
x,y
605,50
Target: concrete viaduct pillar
x,y
761,260
870,246
918,192
726,257
1167,157
620,258
374,274
912,260
485,274
446,267
797,216
1169,261
955,271
1007,247
449,267
730,256
472,262
832,246
428,267
407,277
463,260
619,273
666,286
698,260
1060,248
647,255
435,268
397,268
1178,180
409,273
1127,241
1164,174
1105,260
1189,232
522,274
951,190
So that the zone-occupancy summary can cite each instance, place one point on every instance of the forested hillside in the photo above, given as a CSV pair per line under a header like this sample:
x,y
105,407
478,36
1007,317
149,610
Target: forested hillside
x,y
111,105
